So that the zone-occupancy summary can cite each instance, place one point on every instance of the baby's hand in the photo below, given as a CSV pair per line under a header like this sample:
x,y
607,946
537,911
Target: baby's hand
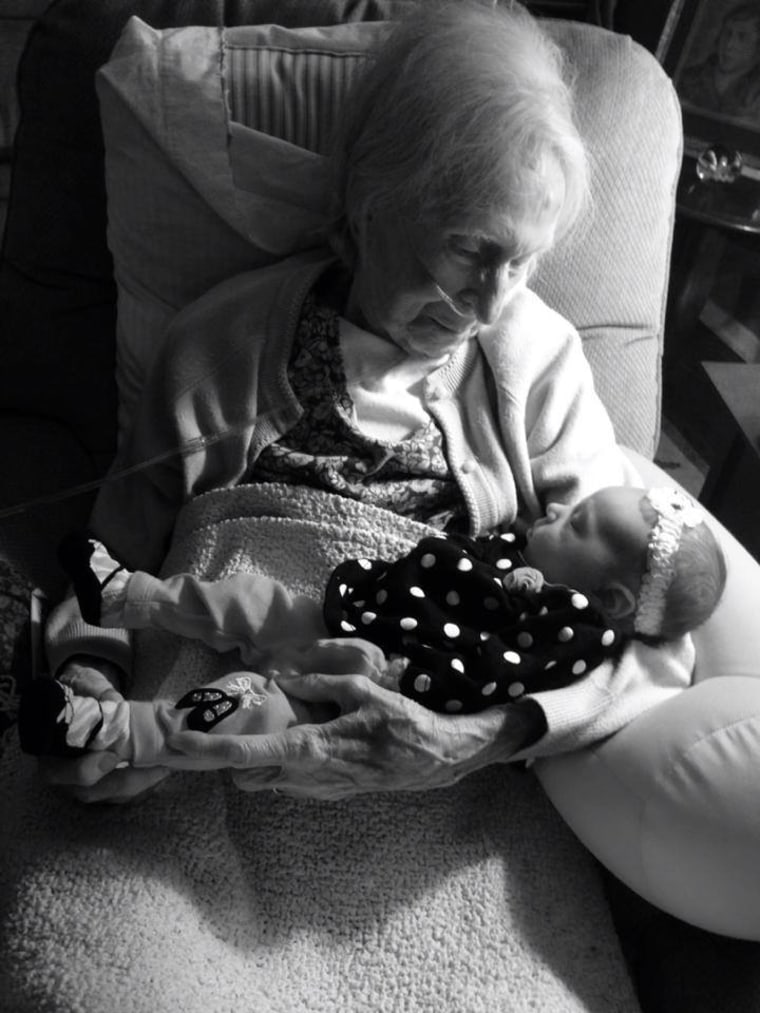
x,y
339,656
524,580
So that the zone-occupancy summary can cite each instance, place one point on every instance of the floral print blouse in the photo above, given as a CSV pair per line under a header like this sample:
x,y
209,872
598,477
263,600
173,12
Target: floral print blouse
x,y
328,451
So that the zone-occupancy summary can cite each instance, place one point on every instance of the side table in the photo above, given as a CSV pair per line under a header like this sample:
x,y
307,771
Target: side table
x,y
709,215
731,491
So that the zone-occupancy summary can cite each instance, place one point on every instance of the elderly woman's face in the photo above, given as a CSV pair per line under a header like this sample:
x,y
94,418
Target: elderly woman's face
x,y
430,288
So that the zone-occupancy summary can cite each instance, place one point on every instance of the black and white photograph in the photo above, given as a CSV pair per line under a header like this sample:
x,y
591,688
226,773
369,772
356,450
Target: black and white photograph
x,y
713,54
379,498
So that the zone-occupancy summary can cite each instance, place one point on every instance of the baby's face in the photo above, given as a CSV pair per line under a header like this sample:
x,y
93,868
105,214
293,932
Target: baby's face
x,y
587,546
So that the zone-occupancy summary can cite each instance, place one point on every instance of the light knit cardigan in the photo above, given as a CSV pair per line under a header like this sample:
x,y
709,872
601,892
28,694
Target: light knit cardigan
x,y
521,419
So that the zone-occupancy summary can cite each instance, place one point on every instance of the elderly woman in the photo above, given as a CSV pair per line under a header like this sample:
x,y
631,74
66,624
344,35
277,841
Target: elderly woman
x,y
409,367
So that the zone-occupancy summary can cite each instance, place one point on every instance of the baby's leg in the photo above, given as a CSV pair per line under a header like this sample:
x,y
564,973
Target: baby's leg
x,y
55,721
241,703
91,570
244,611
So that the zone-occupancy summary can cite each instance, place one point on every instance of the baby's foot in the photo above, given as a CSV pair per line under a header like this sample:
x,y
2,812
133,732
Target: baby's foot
x,y
83,559
47,711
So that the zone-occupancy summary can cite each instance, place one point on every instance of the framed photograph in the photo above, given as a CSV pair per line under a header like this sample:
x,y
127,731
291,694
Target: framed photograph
x,y
711,50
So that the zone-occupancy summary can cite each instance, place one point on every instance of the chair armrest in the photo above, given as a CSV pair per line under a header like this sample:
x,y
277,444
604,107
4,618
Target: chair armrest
x,y
41,462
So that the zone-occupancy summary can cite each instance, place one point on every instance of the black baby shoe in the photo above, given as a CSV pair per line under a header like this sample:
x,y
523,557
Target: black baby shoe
x,y
74,555
42,719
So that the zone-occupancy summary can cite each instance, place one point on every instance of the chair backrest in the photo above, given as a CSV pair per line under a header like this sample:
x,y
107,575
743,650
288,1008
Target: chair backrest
x,y
611,279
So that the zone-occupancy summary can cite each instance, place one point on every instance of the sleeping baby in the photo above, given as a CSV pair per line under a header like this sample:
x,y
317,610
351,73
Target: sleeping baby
x,y
458,624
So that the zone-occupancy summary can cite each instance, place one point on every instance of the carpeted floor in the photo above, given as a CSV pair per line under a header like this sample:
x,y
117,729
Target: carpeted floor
x,y
15,645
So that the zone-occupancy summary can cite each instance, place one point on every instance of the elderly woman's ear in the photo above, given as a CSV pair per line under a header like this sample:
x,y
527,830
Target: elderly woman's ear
x,y
345,236
343,240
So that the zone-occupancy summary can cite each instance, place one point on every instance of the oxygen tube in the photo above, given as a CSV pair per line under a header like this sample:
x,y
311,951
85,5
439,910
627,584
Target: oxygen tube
x,y
198,444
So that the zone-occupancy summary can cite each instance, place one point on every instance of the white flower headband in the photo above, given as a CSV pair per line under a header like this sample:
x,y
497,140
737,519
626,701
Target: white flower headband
x,y
675,511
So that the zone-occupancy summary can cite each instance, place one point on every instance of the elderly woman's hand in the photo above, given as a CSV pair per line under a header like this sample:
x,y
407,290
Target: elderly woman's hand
x,y
94,777
382,741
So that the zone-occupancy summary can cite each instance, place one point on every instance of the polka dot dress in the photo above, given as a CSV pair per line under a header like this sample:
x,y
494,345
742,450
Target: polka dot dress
x,y
471,642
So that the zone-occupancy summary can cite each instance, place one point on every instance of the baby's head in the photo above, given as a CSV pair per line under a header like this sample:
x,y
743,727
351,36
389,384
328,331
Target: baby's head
x,y
646,555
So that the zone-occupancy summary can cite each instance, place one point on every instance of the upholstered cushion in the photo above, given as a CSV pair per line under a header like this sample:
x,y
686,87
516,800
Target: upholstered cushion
x,y
611,280
195,197
214,142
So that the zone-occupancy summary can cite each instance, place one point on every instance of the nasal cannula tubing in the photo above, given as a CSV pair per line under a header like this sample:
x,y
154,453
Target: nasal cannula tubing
x,y
192,446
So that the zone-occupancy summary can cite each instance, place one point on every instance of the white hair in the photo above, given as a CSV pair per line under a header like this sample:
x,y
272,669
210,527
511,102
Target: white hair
x,y
464,110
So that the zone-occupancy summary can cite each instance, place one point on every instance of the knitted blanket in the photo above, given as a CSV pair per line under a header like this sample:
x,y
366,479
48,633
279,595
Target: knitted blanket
x,y
203,899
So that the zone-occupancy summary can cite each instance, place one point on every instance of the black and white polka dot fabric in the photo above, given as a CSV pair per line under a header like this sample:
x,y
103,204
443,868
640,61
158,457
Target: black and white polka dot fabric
x,y
471,643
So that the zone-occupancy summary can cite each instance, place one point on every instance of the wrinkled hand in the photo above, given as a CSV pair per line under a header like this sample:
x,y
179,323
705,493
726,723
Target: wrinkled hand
x,y
381,741
93,777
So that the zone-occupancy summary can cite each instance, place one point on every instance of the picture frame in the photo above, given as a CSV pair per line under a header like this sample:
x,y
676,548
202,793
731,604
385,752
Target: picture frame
x,y
711,50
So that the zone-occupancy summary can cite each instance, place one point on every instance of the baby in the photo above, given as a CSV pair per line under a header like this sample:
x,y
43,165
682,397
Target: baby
x,y
458,624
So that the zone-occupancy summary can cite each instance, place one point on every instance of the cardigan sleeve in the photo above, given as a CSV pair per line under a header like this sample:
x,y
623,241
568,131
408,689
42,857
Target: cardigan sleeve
x,y
557,434
611,696
213,398
570,440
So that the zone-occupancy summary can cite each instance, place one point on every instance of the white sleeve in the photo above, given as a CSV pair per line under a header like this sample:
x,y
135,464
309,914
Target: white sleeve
x,y
556,432
611,696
